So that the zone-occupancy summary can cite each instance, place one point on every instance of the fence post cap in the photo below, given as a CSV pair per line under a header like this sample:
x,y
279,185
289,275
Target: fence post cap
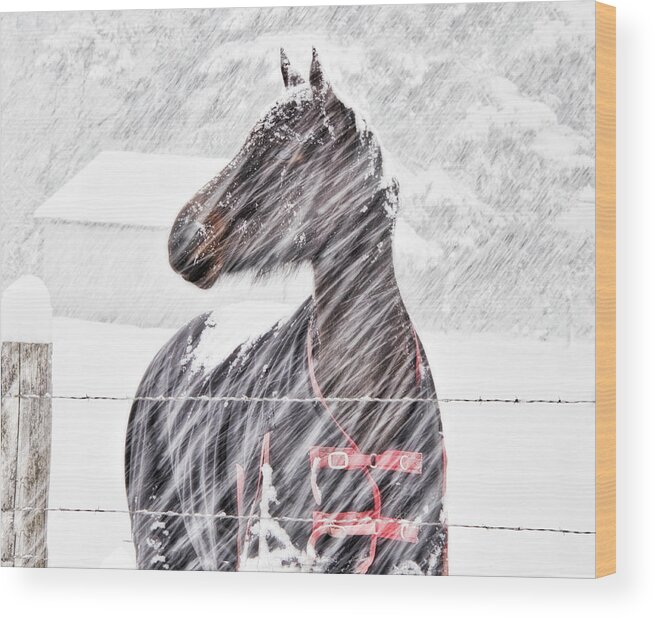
x,y
26,312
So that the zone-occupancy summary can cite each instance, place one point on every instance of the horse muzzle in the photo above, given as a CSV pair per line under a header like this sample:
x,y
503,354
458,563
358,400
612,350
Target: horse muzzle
x,y
195,256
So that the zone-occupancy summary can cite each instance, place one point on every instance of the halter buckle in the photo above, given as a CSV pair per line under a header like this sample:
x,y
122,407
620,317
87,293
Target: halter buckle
x,y
405,526
338,466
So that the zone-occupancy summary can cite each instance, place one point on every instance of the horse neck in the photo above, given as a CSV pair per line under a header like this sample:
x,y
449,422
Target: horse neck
x,y
365,337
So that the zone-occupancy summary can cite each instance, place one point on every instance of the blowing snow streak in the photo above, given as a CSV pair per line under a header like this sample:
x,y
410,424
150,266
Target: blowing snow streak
x,y
297,480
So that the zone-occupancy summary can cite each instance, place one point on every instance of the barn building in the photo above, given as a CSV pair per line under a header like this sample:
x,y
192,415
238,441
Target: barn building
x,y
104,238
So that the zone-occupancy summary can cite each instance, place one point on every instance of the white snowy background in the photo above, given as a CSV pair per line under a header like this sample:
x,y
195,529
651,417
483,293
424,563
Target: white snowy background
x,y
486,113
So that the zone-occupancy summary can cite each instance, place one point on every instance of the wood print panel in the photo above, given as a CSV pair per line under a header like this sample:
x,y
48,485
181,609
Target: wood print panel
x,y
331,294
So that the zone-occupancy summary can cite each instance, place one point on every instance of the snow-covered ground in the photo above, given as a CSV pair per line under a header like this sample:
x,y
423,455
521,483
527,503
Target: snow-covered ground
x,y
514,465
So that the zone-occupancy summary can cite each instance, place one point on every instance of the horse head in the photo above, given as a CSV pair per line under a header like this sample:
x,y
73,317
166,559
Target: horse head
x,y
304,182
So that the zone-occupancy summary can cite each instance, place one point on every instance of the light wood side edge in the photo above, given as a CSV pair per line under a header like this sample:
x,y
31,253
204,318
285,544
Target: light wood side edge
x,y
605,289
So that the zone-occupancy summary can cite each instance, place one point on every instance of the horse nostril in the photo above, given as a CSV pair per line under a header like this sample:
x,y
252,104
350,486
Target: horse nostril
x,y
182,247
193,247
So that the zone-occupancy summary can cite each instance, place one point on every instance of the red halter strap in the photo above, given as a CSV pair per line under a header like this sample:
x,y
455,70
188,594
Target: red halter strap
x,y
364,566
350,459
367,523
353,523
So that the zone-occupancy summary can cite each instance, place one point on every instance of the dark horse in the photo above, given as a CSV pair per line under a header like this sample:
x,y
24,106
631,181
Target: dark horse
x,y
318,445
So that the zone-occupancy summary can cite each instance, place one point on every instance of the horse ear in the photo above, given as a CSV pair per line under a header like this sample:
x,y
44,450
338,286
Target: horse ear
x,y
316,77
290,76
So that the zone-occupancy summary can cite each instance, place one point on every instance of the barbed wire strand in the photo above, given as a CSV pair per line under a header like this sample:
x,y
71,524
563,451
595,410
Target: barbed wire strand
x,y
284,518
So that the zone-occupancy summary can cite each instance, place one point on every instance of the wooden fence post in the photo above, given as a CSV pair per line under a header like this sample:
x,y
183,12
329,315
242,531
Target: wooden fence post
x,y
26,421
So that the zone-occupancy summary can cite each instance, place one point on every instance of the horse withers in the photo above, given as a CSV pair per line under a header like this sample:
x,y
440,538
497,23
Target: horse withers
x,y
317,446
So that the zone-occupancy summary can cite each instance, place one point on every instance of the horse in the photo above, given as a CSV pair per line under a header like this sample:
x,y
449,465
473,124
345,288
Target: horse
x,y
317,446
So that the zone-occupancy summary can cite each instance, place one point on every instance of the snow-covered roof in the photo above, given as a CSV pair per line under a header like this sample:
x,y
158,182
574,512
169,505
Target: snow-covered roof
x,y
130,188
